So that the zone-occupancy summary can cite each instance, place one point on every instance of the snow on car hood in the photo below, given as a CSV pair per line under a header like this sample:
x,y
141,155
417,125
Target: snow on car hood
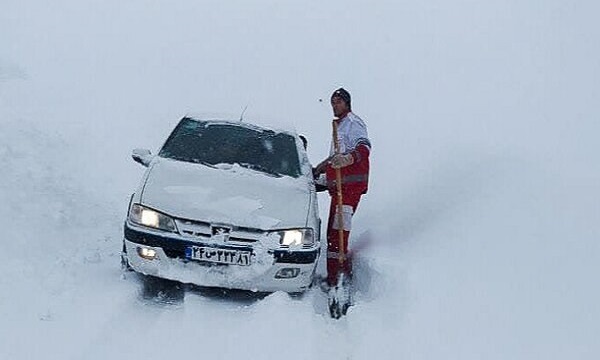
x,y
229,194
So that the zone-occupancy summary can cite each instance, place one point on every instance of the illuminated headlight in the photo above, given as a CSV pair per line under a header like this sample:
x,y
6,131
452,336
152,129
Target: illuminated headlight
x,y
147,217
296,237
146,253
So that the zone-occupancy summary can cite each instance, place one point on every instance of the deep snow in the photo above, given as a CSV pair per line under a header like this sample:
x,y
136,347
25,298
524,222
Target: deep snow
x,y
483,208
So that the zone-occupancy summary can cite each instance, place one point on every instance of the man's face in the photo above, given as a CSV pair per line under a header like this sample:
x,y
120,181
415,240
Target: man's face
x,y
339,106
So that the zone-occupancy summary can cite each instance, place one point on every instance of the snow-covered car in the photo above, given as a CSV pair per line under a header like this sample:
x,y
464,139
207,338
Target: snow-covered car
x,y
225,204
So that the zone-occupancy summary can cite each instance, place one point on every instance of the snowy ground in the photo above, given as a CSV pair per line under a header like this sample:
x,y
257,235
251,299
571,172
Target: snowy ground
x,y
484,202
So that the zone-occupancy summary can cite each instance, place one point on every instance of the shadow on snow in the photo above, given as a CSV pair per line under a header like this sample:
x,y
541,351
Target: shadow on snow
x,y
160,291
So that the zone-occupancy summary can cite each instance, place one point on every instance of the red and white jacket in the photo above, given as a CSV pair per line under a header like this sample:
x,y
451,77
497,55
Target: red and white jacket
x,y
353,139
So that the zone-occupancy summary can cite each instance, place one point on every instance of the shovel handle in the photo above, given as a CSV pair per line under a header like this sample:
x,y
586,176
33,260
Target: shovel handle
x,y
340,202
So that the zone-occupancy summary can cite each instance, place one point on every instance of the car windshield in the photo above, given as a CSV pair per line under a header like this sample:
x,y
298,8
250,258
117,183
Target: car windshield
x,y
212,143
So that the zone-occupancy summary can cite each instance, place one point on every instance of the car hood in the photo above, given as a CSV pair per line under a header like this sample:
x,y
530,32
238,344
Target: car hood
x,y
229,194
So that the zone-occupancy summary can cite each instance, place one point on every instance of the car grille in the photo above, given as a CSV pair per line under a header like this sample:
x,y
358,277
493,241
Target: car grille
x,y
194,228
175,248
174,253
200,230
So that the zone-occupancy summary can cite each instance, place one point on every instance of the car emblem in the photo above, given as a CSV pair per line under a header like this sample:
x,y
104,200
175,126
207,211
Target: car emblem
x,y
220,232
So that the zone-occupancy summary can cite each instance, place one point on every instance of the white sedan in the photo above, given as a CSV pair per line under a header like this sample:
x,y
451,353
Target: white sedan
x,y
225,204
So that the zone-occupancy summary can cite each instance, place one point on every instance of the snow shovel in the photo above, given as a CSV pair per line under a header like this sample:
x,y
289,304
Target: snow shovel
x,y
339,296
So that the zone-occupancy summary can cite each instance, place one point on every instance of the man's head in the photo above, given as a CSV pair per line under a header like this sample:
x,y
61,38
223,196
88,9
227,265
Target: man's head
x,y
341,102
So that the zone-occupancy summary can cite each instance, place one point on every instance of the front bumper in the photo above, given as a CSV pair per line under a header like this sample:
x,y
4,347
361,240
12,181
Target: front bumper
x,y
170,263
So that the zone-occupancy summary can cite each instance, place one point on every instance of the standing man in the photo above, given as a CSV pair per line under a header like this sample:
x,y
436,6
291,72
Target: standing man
x,y
353,162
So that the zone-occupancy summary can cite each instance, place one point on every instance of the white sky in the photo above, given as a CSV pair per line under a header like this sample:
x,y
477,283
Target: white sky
x,y
484,193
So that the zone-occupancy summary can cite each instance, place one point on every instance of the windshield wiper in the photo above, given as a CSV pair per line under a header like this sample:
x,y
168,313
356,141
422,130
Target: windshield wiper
x,y
261,169
205,164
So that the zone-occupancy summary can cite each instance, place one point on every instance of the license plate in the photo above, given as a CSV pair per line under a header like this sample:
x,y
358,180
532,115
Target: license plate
x,y
219,256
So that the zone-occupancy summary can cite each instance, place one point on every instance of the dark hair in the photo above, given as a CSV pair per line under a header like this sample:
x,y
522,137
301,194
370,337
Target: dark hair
x,y
344,95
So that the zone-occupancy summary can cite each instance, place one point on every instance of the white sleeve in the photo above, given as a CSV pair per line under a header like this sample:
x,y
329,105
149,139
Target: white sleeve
x,y
358,135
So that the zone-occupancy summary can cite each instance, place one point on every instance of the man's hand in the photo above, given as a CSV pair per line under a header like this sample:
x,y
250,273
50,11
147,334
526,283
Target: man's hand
x,y
320,169
341,160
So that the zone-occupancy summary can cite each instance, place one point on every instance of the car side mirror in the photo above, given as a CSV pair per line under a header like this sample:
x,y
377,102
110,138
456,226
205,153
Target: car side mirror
x,y
142,156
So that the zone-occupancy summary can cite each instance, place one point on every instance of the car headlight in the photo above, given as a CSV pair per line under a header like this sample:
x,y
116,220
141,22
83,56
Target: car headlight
x,y
296,237
147,217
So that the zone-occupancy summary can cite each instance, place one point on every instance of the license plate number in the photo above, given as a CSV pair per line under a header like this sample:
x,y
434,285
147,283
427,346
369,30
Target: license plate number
x,y
219,256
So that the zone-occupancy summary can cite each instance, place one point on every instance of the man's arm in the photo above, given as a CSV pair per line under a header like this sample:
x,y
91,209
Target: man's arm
x,y
320,169
355,156
361,152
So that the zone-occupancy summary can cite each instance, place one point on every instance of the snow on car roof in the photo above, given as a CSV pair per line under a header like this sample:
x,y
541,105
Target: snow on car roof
x,y
250,124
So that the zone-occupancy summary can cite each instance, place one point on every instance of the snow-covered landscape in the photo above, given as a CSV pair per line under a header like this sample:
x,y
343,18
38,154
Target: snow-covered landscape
x,y
483,211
